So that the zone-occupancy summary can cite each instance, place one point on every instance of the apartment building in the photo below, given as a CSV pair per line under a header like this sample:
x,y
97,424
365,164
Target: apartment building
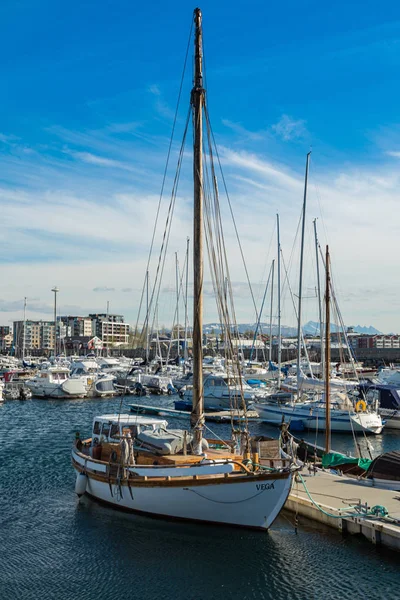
x,y
111,329
35,334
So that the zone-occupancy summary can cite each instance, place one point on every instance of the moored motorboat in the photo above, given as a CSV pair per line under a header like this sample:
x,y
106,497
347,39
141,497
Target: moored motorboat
x,y
387,398
221,392
344,418
55,382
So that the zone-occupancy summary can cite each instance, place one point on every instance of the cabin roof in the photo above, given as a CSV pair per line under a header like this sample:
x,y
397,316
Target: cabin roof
x,y
129,419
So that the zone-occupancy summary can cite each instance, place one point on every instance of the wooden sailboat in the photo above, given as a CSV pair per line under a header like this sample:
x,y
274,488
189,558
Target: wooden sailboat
x,y
136,463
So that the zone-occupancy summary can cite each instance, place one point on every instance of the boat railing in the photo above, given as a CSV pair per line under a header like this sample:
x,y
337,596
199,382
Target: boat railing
x,y
274,464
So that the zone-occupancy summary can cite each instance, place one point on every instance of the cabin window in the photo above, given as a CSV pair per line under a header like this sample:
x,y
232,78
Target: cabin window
x,y
96,428
106,429
114,430
372,395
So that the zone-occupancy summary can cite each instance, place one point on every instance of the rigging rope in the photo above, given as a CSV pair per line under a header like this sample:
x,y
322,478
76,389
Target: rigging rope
x,y
166,168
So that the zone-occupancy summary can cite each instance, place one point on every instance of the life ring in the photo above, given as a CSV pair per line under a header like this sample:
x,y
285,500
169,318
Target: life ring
x,y
361,406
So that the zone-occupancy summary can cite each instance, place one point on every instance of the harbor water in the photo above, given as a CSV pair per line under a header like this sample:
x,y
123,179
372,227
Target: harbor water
x,y
54,546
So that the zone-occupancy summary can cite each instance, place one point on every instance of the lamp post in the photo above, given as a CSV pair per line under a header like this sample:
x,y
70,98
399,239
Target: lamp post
x,y
55,290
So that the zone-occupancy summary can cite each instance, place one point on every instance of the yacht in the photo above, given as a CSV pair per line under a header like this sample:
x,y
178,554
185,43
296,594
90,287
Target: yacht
x,y
311,414
55,382
221,392
98,383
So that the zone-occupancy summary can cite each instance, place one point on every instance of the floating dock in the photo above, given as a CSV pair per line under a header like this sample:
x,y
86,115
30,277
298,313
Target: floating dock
x,y
223,416
334,494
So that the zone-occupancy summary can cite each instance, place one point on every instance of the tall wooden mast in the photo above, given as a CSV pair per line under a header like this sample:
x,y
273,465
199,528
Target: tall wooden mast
x,y
197,416
327,353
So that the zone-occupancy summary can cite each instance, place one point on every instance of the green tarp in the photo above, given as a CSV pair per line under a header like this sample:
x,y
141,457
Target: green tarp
x,y
334,459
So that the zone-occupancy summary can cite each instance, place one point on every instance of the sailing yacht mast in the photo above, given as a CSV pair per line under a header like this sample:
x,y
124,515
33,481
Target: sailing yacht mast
x,y
279,304
177,302
270,314
319,294
186,306
147,320
301,273
327,354
197,416
24,332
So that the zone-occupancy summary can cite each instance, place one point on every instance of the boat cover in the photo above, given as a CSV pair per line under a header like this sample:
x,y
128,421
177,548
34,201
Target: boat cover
x,y
335,459
163,441
386,466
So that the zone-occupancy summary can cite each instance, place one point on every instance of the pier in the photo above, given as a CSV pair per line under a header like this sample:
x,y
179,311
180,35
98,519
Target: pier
x,y
334,494
222,416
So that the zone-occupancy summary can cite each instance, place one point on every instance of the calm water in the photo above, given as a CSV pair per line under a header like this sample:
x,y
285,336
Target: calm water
x,y
54,546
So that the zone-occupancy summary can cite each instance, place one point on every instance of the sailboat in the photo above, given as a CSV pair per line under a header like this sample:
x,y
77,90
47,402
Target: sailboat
x,y
138,464
310,413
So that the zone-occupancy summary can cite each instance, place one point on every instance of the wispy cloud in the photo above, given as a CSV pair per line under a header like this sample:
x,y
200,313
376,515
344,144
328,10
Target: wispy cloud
x,y
101,161
8,139
76,214
242,131
289,129
394,153
162,108
253,163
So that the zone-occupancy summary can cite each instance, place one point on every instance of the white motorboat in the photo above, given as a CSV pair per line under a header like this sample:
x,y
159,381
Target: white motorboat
x,y
55,382
222,392
15,387
387,398
311,414
98,383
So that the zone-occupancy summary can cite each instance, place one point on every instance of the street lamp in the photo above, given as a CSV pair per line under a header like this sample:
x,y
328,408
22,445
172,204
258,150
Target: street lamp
x,y
55,290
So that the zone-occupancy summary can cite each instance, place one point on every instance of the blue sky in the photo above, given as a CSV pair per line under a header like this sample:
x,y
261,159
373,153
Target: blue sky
x,y
87,99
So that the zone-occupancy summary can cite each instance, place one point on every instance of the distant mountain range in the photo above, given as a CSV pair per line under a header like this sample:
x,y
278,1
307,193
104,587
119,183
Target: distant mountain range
x,y
310,328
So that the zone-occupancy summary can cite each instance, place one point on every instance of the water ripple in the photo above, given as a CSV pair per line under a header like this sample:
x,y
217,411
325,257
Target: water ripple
x,y
56,547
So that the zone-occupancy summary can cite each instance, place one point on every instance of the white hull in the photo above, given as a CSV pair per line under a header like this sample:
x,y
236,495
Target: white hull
x,y
223,401
341,421
73,387
249,501
58,390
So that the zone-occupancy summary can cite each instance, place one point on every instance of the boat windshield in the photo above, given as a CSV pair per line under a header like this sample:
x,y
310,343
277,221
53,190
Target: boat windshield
x,y
232,381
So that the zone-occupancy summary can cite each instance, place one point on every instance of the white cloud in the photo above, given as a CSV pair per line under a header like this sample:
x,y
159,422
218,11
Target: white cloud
x,y
101,161
65,223
154,89
395,154
288,128
242,131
